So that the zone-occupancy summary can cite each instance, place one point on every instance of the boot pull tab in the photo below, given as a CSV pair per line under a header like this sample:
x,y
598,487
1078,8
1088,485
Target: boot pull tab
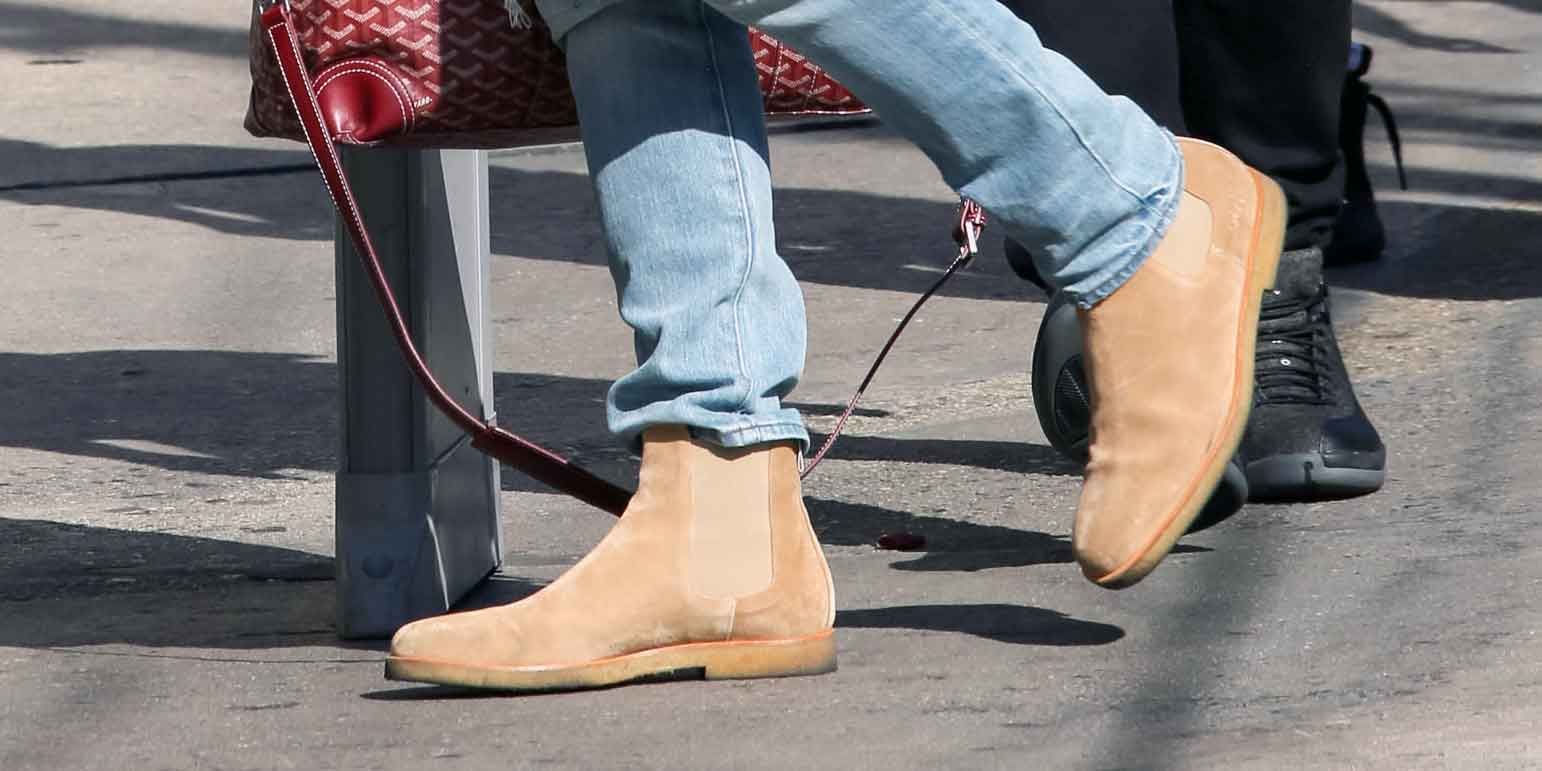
x,y
971,221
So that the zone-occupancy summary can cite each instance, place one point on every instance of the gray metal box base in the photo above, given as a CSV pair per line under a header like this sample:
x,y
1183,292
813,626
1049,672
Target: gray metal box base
x,y
417,507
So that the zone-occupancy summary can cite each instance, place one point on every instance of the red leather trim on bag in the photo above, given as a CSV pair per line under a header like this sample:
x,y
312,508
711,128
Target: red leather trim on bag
x,y
471,78
363,101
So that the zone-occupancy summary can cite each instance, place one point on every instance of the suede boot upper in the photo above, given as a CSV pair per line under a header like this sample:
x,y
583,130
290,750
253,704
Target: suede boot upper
x,y
715,547
1169,359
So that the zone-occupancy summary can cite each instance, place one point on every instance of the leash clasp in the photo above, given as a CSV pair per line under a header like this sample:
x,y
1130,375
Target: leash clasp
x,y
971,221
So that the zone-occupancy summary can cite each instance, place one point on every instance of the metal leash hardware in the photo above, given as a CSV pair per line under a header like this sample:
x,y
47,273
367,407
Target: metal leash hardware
x,y
971,221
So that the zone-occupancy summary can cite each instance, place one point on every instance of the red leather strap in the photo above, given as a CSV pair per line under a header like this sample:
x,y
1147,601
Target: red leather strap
x,y
522,454
538,462
971,220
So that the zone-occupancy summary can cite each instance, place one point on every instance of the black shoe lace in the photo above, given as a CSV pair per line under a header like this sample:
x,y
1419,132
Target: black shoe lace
x,y
1360,64
1375,101
1291,355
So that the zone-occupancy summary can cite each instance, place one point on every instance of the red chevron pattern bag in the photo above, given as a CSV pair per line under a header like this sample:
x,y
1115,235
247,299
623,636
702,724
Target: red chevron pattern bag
x,y
459,74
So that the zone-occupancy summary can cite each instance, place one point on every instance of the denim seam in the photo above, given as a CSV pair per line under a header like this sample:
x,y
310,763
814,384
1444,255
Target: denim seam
x,y
764,432
744,208
1011,66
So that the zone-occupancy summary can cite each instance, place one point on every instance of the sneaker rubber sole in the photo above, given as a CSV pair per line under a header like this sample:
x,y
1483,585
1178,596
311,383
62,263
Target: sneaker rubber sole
x,y
1230,494
1304,476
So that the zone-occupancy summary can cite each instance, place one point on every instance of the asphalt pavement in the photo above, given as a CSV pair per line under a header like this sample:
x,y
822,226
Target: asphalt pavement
x,y
168,389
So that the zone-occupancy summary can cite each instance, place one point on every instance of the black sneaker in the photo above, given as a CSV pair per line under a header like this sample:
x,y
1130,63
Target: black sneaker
x,y
1307,439
1358,235
1064,407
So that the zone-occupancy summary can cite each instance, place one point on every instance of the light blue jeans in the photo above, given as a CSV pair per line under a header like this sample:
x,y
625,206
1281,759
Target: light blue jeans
x,y
671,118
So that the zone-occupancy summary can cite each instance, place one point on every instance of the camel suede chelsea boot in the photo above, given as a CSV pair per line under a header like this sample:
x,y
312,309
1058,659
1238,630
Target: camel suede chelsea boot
x,y
713,573
1169,358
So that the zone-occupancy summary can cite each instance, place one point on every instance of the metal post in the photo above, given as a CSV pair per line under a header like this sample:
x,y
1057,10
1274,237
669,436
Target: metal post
x,y
417,507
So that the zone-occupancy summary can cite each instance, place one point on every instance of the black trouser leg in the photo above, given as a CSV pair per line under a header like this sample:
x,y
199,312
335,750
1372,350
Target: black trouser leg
x,y
1263,80
1126,46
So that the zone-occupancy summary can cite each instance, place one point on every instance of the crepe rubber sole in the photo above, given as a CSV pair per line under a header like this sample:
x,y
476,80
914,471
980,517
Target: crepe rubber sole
x,y
732,660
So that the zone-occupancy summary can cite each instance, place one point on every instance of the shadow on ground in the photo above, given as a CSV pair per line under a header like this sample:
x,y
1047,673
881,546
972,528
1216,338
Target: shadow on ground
x,y
68,586
267,414
49,32
1454,252
951,545
65,586
71,586
1380,23
1016,624
826,236
1459,248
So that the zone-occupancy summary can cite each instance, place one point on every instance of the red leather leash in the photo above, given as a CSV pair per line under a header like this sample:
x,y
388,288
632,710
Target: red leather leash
x,y
518,452
538,462
971,220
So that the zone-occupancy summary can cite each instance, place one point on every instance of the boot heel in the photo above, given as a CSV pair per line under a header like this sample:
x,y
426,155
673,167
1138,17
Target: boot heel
x,y
775,658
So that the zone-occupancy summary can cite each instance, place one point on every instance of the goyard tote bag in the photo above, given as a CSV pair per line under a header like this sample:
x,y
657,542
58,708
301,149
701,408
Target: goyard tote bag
x,y
458,73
